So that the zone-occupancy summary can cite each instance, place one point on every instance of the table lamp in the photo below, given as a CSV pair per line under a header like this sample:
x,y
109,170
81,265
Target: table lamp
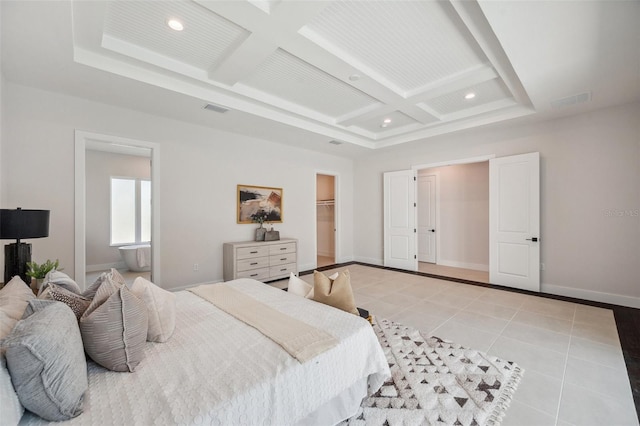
x,y
21,224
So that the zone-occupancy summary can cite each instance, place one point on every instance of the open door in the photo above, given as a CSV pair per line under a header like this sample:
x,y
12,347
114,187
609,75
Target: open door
x,y
399,220
514,221
427,218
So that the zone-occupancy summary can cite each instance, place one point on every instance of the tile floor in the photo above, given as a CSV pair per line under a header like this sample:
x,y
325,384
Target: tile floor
x,y
448,271
129,276
575,373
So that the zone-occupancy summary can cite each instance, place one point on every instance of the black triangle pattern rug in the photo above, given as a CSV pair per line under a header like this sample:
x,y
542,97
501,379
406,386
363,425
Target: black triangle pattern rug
x,y
436,382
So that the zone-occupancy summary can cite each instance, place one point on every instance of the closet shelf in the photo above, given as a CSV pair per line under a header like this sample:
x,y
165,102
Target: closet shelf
x,y
325,202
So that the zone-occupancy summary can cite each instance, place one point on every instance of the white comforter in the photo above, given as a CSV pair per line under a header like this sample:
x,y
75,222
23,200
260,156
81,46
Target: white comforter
x,y
218,370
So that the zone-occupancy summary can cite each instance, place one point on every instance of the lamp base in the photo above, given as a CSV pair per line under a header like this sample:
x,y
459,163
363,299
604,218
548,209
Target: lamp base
x,y
16,256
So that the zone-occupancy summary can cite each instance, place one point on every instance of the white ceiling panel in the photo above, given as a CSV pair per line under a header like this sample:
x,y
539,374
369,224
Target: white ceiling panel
x,y
206,37
485,93
293,80
405,44
333,68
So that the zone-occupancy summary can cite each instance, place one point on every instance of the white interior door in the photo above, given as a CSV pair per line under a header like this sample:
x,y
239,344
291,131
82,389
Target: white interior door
x,y
399,220
427,218
514,224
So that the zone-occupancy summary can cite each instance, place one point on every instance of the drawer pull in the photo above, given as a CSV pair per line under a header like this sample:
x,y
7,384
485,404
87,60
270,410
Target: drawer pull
x,y
284,258
254,263
283,269
283,248
253,252
253,275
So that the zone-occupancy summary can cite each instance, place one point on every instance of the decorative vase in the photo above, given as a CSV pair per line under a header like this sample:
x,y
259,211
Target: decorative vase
x,y
260,233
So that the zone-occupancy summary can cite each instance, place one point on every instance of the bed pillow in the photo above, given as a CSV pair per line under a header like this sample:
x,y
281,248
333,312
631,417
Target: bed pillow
x,y
300,287
161,307
76,302
114,327
14,297
46,361
334,292
12,410
61,280
113,275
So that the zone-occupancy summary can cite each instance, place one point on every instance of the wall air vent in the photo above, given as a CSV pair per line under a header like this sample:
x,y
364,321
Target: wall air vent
x,y
335,142
571,100
216,108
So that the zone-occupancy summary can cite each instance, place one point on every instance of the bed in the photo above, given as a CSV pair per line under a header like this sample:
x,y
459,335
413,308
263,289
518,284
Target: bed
x,y
216,369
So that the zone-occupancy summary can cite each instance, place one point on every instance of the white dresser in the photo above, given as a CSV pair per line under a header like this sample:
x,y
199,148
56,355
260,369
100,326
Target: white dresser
x,y
260,260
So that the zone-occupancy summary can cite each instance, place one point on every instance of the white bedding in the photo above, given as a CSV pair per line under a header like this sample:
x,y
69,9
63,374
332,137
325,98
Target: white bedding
x,y
217,370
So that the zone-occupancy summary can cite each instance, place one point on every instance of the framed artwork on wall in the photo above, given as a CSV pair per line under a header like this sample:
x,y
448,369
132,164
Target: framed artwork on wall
x,y
259,204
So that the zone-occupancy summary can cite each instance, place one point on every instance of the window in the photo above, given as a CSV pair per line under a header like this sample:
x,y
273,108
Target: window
x,y
130,211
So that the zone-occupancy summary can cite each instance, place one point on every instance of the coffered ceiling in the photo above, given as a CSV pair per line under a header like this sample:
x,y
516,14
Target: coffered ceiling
x,y
368,73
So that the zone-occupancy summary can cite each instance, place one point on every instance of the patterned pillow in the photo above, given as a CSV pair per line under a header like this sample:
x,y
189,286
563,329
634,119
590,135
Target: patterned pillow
x,y
336,293
113,275
76,302
114,327
161,307
46,361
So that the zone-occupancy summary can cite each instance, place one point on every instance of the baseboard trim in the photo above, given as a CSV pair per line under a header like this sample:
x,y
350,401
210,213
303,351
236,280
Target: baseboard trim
x,y
368,260
105,266
594,296
184,287
465,265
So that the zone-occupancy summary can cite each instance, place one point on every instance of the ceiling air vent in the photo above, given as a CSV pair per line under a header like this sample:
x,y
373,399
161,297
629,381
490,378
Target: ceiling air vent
x,y
571,100
335,142
216,108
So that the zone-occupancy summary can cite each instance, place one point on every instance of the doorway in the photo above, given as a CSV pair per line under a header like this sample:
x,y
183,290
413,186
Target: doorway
x,y
86,144
453,221
325,219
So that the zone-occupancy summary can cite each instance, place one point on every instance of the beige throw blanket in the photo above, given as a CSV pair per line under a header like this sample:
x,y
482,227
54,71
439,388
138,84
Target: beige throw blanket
x,y
301,340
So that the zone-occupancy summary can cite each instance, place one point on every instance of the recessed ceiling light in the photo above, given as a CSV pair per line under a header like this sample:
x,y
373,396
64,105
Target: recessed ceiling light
x,y
469,96
175,25
386,121
383,125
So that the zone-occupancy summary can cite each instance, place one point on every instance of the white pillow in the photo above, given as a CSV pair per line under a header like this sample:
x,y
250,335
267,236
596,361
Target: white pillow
x,y
14,297
161,306
12,410
300,287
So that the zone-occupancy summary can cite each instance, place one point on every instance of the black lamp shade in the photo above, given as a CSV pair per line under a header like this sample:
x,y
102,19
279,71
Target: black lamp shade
x,y
22,224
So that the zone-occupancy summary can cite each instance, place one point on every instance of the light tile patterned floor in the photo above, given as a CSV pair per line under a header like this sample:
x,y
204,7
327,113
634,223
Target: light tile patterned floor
x,y
574,369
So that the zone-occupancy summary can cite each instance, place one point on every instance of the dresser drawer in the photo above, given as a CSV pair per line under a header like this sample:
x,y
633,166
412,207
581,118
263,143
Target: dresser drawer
x,y
282,270
256,274
282,248
253,263
281,259
248,252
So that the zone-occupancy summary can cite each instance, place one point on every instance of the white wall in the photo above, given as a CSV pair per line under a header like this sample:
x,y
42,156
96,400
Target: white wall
x,y
463,215
199,170
100,167
590,196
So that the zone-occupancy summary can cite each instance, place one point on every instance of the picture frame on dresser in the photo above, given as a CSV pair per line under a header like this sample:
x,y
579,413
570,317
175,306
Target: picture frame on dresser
x,y
259,201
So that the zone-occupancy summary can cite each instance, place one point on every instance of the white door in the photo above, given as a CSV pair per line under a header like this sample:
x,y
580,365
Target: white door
x,y
514,224
399,220
427,218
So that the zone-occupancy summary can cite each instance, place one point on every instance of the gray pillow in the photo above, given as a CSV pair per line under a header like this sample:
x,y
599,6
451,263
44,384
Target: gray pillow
x,y
114,328
46,361
61,280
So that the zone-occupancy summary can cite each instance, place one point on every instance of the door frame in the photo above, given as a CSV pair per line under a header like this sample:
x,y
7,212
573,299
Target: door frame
x,y
336,214
82,139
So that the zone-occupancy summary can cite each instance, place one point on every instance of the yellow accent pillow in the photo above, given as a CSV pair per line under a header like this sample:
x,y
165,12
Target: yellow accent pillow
x,y
334,292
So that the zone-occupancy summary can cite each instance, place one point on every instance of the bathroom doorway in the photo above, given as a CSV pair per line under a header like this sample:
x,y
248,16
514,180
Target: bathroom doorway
x,y
325,219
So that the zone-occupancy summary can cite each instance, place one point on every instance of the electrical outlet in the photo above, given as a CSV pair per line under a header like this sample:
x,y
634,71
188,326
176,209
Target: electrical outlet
x,y
196,267
542,266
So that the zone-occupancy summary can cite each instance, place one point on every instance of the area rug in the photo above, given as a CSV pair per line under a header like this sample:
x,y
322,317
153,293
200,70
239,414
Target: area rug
x,y
437,382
